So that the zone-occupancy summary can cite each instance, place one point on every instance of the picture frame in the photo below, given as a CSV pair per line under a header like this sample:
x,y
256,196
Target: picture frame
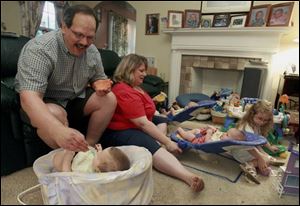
x,y
225,6
152,24
280,14
191,18
175,19
258,16
207,21
221,20
238,21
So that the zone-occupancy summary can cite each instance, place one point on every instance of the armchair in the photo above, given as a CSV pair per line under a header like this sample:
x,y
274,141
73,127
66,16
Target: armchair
x,y
13,156
20,145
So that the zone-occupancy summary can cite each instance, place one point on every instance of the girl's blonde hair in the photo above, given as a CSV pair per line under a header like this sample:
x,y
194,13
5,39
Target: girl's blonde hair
x,y
126,68
262,106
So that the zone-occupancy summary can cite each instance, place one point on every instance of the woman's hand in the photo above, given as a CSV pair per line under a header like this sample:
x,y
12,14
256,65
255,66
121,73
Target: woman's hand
x,y
173,148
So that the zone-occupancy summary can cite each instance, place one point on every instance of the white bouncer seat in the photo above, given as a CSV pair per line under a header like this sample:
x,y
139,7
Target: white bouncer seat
x,y
133,186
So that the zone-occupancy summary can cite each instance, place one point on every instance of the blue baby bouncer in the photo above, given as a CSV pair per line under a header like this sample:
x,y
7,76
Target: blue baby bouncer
x,y
220,147
187,114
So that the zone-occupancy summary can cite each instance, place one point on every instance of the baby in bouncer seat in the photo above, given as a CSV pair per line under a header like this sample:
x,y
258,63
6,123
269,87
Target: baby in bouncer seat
x,y
209,134
175,109
94,160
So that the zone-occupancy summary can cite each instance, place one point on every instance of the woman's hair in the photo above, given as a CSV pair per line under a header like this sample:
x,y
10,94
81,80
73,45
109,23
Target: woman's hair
x,y
118,161
261,106
126,68
70,12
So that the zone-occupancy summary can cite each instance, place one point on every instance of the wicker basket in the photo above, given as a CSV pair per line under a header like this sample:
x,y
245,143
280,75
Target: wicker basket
x,y
218,117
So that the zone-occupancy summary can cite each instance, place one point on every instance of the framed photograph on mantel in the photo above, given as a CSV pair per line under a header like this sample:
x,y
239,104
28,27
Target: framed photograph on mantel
x,y
192,18
175,19
259,15
206,21
221,20
281,14
225,6
238,21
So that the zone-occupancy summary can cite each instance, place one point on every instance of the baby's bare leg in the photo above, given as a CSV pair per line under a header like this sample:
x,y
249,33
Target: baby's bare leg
x,y
62,160
187,135
58,160
209,133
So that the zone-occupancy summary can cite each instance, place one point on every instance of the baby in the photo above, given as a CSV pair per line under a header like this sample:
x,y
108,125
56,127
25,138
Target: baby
x,y
94,160
209,134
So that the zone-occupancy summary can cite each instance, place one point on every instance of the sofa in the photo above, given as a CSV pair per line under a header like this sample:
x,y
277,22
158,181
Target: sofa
x,y
20,145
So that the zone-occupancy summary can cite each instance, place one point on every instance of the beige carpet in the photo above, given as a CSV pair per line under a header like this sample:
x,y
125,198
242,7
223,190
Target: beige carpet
x,y
168,190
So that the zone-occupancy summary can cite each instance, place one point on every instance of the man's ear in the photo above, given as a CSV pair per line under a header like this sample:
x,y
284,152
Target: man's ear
x,y
63,27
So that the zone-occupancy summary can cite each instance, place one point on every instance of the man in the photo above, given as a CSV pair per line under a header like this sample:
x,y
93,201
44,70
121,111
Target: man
x,y
54,71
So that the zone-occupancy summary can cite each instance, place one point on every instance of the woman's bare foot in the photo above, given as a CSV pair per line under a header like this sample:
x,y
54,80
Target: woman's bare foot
x,y
196,184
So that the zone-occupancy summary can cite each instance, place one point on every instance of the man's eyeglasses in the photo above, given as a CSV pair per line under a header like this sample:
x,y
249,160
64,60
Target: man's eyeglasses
x,y
80,36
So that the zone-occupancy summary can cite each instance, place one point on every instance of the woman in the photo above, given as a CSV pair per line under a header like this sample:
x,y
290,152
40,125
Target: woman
x,y
132,122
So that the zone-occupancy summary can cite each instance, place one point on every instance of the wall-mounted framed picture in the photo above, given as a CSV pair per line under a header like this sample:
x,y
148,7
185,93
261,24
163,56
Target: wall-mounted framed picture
x,y
206,21
191,18
152,24
280,14
259,15
238,21
175,19
225,6
221,20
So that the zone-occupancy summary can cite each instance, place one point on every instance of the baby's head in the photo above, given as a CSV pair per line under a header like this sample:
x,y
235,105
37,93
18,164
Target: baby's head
x,y
233,133
110,159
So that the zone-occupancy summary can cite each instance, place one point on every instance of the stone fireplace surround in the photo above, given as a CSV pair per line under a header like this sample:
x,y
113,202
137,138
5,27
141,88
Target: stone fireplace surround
x,y
206,74
247,42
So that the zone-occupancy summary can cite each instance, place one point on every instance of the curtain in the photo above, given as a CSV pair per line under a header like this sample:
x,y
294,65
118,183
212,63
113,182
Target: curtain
x,y
60,6
119,34
31,16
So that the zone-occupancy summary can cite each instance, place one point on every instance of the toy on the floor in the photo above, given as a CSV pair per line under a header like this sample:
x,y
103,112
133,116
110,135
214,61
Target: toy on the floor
x,y
287,178
273,139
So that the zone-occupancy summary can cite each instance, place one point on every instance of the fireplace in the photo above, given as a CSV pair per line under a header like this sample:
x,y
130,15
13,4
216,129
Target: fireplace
x,y
231,44
207,74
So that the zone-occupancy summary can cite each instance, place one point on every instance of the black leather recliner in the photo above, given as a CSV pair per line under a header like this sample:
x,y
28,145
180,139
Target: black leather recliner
x,y
13,155
20,145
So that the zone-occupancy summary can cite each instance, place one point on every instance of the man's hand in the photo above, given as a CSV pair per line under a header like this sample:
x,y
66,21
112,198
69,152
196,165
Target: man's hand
x,y
98,147
102,86
73,140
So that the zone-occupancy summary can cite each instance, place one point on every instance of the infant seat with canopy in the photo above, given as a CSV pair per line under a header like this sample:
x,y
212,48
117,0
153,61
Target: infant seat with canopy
x,y
132,186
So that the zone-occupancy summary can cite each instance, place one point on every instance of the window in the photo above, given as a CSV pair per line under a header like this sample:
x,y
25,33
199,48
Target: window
x,y
48,22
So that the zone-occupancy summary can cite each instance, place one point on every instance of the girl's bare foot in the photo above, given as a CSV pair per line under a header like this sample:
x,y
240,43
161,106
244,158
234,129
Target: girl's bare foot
x,y
196,184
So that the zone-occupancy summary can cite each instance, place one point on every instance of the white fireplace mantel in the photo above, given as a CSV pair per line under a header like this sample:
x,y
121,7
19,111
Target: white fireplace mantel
x,y
254,42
